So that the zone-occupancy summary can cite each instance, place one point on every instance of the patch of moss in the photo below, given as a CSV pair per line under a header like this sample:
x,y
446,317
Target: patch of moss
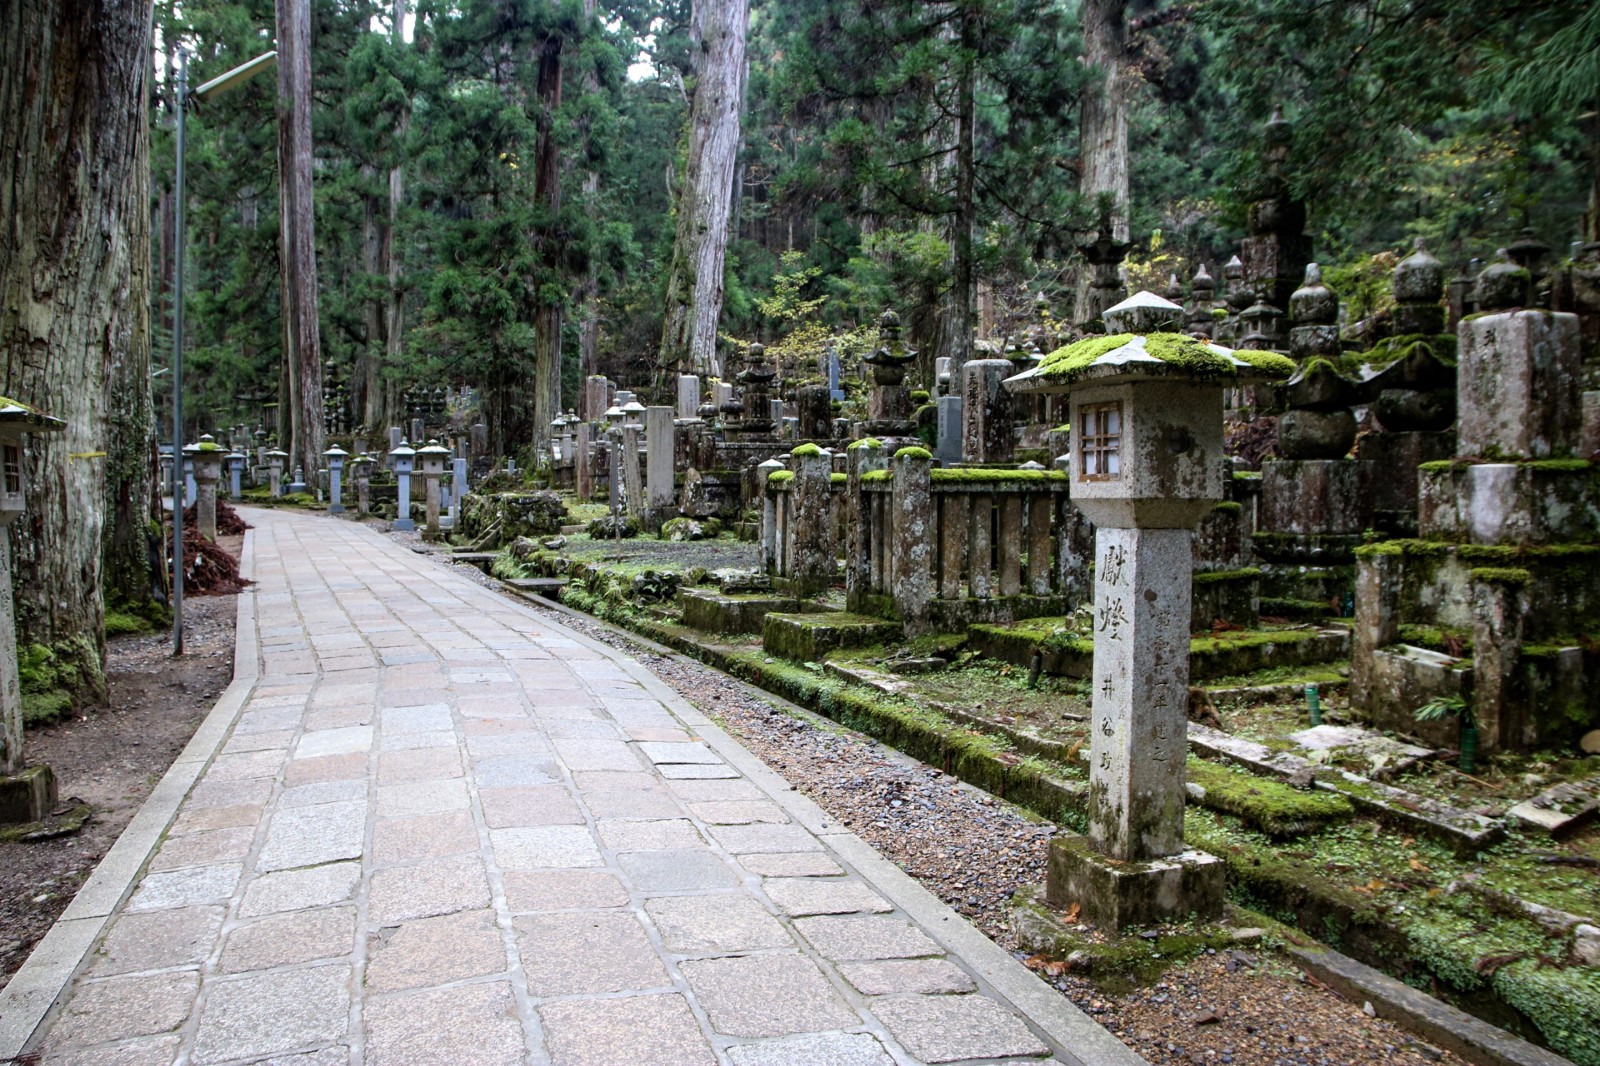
x,y
1229,507
913,452
873,476
1247,475
838,479
1562,466
1249,638
806,450
1437,466
779,477
864,442
119,624
1194,357
1393,349
1275,808
1501,575
975,475
1213,577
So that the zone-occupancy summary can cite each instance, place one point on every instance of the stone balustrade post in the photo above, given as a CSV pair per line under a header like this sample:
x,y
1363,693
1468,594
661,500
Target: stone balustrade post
x,y
912,538
861,457
812,565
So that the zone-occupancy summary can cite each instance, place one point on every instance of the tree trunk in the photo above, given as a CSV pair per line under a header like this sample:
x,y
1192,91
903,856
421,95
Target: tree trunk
x,y
364,382
694,281
381,399
959,332
547,193
589,288
74,306
297,253
1103,114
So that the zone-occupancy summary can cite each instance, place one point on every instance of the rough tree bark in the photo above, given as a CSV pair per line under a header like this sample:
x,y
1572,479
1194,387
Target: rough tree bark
x,y
589,287
958,334
547,193
1103,112
74,305
297,253
694,281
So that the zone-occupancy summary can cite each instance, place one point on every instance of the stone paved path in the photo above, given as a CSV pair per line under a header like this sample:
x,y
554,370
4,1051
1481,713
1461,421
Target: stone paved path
x,y
443,829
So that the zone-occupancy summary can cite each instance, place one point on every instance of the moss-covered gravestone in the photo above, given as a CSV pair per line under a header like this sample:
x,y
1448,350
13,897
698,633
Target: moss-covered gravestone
x,y
1146,465
207,459
26,795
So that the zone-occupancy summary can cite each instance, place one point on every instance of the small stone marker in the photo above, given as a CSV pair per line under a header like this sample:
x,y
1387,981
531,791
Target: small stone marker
x,y
207,465
1562,808
402,459
688,395
660,448
336,457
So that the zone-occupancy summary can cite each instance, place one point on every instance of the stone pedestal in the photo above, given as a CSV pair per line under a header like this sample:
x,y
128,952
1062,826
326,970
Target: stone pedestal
x,y
1519,393
402,519
1123,895
207,472
432,505
583,462
1316,496
861,458
632,483
987,416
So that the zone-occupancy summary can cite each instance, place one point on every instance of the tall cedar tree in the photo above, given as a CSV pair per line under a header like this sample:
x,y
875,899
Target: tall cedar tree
x,y
74,291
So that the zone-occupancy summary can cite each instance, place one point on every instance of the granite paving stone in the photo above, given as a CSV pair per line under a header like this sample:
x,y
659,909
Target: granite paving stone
x,y
767,995
444,829
798,896
575,953
316,886
823,1049
288,939
850,937
433,951
952,1028
270,1013
606,1032
703,925
432,1028
121,1007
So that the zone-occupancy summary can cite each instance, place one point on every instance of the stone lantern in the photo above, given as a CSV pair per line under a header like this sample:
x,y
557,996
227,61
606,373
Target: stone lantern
x,y
335,457
1146,464
275,459
235,462
402,459
190,489
25,795
889,402
207,459
432,458
632,411
361,466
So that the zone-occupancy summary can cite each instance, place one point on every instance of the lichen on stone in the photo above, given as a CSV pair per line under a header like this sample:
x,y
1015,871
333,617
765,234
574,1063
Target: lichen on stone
x,y
1195,357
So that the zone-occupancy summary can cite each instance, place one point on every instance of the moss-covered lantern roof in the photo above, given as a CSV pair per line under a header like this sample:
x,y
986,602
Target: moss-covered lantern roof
x,y
1147,346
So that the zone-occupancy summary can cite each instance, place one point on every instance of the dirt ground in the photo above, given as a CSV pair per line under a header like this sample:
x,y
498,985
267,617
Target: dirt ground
x,y
111,757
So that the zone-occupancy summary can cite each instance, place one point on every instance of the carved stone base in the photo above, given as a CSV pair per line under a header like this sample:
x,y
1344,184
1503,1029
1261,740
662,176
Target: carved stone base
x,y
1123,895
27,796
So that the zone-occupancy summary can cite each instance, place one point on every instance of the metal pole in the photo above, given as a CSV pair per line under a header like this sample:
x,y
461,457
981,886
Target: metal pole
x,y
177,364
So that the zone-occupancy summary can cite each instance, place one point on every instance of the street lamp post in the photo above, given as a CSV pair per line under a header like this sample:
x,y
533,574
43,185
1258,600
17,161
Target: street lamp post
x,y
209,91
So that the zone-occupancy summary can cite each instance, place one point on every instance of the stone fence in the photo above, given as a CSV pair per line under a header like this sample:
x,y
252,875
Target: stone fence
x,y
936,548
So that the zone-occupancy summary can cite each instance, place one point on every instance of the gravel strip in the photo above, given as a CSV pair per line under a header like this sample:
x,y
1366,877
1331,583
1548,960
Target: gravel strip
x,y
973,851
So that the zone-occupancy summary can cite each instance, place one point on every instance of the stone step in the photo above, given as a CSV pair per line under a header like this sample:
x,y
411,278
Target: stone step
x,y
808,637
1464,831
1562,808
538,584
733,612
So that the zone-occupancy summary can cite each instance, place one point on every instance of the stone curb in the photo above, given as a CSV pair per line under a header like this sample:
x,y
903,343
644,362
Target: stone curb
x,y
57,959
1435,1021
1077,1037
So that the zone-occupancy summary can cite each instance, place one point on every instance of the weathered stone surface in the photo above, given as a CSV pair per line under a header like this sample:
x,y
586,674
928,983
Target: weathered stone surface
x,y
603,1032
987,412
261,1015
287,939
951,1028
1316,434
123,1007
533,514
431,1028
1316,496
431,951
706,925
907,977
767,995
858,937
580,953
1519,391
912,534
1124,894
1509,503
827,1049
807,895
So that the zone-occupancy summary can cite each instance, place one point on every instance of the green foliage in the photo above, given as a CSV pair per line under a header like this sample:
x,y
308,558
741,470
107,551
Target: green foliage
x,y
1452,706
119,624
1195,357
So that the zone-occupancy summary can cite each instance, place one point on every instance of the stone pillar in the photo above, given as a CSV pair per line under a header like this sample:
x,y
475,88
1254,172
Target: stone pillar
x,y
911,530
815,411
275,460
769,517
861,457
235,466
688,395
403,457
335,456
633,485
660,433
1518,390
363,467
432,512
987,416
190,489
396,437
583,462
813,567
1499,699
458,483
950,432
1379,584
